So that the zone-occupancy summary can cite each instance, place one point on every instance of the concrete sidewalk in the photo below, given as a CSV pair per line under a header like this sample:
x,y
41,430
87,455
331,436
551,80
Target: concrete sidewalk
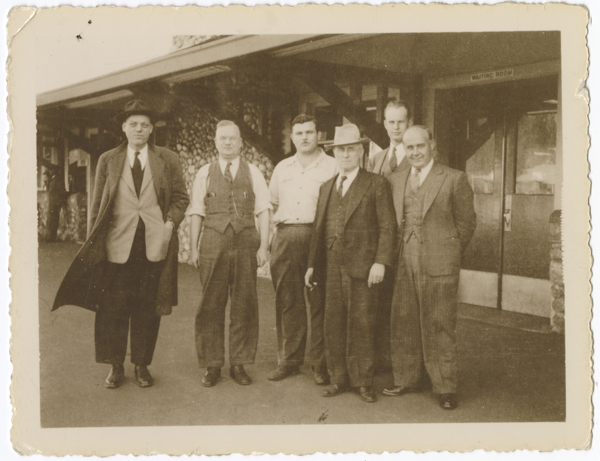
x,y
510,369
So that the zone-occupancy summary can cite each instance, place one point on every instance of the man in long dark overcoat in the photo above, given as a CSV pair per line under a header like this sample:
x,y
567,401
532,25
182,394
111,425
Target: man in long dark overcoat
x,y
127,269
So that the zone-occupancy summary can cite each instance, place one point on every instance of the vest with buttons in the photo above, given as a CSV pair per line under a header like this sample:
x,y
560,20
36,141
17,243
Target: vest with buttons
x,y
229,204
336,216
414,202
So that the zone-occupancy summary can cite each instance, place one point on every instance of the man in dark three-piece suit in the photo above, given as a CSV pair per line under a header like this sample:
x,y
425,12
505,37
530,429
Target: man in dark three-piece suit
x,y
353,241
127,269
396,119
436,220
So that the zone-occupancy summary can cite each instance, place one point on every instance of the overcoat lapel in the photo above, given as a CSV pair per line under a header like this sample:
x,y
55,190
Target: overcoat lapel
x,y
437,178
378,168
361,184
157,168
115,169
327,188
399,195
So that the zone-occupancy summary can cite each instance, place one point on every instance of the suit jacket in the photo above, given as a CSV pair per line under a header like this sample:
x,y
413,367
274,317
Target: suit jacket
x,y
369,229
84,283
379,165
449,218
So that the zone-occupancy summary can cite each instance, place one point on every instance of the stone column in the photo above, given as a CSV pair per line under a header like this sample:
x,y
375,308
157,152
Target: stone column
x,y
557,286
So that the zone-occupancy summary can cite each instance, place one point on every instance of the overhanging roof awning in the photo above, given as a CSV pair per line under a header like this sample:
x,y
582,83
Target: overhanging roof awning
x,y
175,66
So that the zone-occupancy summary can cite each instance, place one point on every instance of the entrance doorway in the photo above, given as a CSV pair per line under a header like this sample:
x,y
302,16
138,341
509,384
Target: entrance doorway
x,y
504,137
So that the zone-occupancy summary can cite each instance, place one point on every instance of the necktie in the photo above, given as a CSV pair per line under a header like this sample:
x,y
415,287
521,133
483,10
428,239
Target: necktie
x,y
341,187
415,180
137,173
227,174
393,159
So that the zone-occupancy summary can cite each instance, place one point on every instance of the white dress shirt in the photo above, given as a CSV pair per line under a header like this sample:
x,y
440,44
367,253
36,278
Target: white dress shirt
x,y
143,155
259,186
424,172
347,182
295,189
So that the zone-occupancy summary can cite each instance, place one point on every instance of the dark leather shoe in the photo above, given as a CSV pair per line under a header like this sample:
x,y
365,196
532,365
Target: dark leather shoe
x,y
115,378
366,394
397,391
320,375
143,376
333,390
282,372
448,401
211,376
240,376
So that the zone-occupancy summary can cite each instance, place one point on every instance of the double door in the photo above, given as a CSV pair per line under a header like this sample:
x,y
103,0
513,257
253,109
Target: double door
x,y
504,137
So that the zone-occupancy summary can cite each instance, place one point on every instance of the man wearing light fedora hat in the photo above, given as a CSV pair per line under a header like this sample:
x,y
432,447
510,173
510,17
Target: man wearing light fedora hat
x,y
127,270
353,241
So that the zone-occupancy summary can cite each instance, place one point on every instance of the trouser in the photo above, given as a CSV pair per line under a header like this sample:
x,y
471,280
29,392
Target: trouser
x,y
289,257
423,325
382,326
227,269
350,314
130,297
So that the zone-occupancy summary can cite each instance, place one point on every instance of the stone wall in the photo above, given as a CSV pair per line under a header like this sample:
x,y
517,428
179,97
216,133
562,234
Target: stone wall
x,y
557,285
192,137
72,224
42,215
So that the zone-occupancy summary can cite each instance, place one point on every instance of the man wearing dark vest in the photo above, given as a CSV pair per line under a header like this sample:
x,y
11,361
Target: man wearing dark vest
x,y
436,220
127,269
226,197
396,120
353,241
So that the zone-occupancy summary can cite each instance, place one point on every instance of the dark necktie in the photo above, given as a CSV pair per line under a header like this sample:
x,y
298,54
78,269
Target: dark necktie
x,y
137,173
393,159
415,180
341,188
227,173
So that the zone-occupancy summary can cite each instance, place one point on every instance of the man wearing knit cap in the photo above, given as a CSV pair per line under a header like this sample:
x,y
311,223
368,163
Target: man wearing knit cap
x,y
353,241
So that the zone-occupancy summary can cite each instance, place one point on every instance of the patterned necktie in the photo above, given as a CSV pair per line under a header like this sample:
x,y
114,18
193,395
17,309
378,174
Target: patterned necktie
x,y
227,174
137,173
341,187
393,159
415,180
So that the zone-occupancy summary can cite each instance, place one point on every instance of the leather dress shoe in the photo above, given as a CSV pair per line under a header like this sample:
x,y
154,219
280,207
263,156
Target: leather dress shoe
x,y
448,401
333,390
320,375
211,376
397,391
240,376
366,394
282,372
143,376
115,377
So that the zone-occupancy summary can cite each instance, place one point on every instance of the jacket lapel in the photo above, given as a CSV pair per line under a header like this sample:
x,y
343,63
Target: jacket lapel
x,y
327,188
115,169
357,191
399,191
437,178
157,168
379,165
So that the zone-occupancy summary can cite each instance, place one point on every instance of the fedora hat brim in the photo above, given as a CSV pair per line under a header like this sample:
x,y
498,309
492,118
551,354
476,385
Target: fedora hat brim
x,y
360,141
121,117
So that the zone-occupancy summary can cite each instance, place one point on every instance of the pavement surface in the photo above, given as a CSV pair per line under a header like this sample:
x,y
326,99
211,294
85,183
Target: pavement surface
x,y
511,369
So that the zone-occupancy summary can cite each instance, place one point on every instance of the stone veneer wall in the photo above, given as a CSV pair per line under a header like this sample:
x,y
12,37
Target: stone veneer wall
x,y
192,138
72,225
557,285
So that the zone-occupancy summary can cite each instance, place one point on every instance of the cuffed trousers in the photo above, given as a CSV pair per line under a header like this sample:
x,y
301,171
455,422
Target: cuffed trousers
x,y
350,314
289,256
423,326
130,297
227,270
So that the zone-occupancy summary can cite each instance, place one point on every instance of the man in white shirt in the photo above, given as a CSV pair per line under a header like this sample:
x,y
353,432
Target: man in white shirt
x,y
294,193
227,196
436,220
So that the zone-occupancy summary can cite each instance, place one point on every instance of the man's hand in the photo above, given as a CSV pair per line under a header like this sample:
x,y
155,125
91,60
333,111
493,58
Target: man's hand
x,y
195,257
262,255
376,274
308,281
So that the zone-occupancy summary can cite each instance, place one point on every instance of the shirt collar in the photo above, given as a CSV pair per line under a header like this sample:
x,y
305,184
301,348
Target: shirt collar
x,y
234,163
143,154
349,176
425,170
322,154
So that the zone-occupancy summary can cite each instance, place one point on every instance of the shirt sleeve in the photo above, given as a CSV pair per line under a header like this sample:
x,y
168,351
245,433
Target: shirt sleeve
x,y
261,191
274,187
198,192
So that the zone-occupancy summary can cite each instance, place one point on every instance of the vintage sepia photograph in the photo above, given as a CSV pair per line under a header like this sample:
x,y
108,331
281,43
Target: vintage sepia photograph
x,y
250,227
